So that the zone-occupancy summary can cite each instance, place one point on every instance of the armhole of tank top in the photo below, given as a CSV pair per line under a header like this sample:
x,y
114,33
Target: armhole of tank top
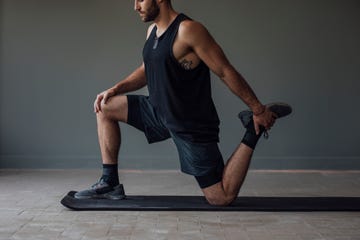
x,y
173,58
151,32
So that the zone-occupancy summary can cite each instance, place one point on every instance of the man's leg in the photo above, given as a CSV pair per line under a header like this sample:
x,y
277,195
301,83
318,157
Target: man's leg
x,y
225,191
115,110
135,110
109,135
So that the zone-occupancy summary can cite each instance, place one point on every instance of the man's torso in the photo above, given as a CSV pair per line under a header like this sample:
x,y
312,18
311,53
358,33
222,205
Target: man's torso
x,y
179,84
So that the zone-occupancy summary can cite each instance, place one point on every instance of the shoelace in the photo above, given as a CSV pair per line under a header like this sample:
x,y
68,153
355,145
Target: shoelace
x,y
266,134
99,183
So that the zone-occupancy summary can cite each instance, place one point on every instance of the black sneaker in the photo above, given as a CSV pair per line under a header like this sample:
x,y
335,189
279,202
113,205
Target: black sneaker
x,y
280,109
102,189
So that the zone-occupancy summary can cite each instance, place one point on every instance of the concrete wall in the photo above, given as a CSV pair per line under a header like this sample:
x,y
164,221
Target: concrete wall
x,y
56,55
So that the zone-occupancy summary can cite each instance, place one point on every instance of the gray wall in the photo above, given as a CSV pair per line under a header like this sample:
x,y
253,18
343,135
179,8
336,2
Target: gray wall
x,y
56,55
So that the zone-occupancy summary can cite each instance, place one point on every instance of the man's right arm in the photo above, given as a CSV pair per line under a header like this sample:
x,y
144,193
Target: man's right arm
x,y
134,81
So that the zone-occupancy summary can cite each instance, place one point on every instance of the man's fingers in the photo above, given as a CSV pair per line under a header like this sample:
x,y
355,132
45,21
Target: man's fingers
x,y
274,115
95,108
106,97
266,120
257,128
273,120
102,98
98,103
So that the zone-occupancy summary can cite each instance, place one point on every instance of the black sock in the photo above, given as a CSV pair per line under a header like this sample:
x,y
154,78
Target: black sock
x,y
250,139
110,174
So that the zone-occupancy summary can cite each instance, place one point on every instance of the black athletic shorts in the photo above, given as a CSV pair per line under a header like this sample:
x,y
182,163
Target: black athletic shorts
x,y
202,160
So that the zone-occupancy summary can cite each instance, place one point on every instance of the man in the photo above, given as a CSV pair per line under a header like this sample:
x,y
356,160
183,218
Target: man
x,y
178,55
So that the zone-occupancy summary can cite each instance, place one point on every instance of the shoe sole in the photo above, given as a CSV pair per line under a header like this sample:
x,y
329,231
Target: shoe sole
x,y
116,193
280,109
112,197
101,196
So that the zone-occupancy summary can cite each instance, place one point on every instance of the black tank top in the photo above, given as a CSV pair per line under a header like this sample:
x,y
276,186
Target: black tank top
x,y
181,98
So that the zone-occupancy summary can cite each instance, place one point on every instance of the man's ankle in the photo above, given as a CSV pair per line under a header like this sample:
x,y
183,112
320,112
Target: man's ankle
x,y
110,174
250,138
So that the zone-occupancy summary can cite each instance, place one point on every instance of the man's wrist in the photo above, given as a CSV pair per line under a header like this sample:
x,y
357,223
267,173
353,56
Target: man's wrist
x,y
258,110
115,90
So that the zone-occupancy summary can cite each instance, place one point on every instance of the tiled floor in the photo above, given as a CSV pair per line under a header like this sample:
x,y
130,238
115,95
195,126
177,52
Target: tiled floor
x,y
30,208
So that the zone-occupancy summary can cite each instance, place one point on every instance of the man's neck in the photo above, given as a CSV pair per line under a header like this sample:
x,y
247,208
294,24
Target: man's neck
x,y
164,19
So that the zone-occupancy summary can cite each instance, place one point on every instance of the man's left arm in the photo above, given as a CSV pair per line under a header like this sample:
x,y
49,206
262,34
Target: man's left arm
x,y
203,44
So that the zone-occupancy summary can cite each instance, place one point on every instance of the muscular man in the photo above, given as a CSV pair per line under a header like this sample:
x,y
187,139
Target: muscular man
x,y
177,58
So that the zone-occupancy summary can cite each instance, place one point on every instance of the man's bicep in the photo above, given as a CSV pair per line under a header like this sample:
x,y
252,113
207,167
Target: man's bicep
x,y
213,56
208,50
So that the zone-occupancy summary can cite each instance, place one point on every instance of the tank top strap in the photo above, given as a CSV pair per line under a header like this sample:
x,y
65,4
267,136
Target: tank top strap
x,y
175,25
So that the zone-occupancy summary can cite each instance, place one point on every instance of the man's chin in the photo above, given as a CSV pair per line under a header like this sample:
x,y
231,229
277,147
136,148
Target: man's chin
x,y
144,18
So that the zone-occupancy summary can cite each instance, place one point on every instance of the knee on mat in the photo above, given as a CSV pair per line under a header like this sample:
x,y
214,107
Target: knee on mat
x,y
220,200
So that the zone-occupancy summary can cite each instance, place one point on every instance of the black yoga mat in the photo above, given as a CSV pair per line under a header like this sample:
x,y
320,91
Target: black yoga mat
x,y
198,203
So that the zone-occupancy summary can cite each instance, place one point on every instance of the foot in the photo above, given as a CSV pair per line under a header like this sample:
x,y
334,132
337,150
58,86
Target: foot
x,y
102,189
280,109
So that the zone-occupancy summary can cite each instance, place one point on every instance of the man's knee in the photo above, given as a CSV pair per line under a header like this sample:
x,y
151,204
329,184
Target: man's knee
x,y
116,108
106,108
215,195
105,112
223,200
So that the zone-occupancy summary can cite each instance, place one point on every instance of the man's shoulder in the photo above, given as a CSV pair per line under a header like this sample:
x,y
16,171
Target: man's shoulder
x,y
192,30
189,25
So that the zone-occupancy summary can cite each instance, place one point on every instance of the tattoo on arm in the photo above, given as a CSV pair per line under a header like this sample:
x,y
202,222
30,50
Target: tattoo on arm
x,y
185,64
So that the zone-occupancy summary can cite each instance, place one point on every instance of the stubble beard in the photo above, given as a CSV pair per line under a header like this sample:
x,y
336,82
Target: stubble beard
x,y
152,13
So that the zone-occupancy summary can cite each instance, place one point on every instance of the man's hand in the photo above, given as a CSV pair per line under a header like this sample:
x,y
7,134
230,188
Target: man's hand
x,y
102,98
265,119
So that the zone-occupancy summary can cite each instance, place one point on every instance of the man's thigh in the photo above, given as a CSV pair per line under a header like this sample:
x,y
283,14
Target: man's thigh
x,y
202,160
143,116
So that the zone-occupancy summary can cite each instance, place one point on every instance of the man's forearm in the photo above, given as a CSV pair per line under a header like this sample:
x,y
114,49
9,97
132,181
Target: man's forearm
x,y
239,86
133,82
